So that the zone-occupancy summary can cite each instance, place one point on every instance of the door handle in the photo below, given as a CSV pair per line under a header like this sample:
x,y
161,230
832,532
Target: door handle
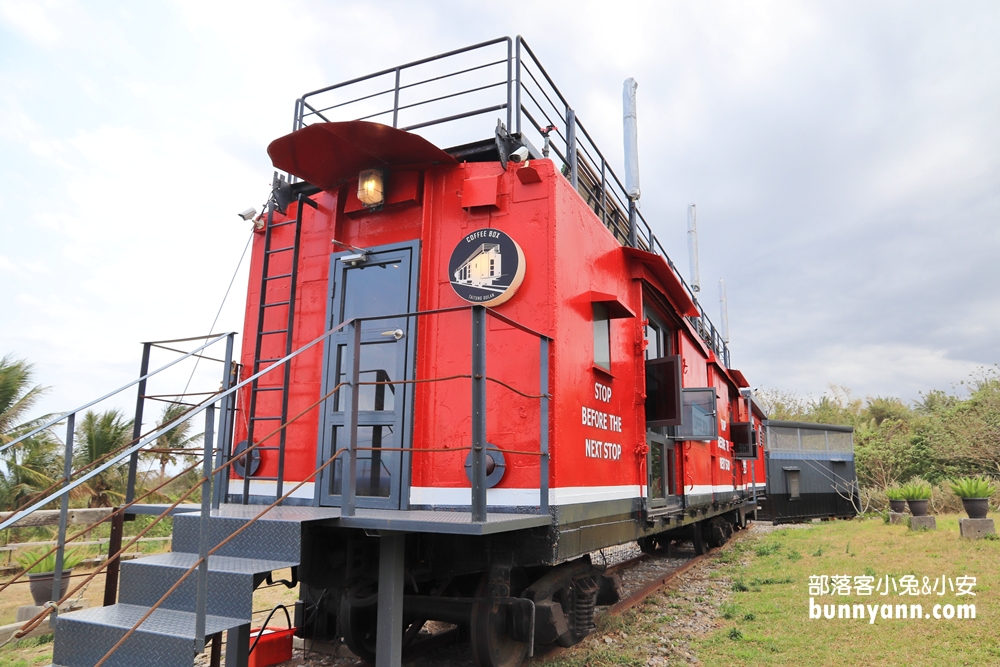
x,y
395,333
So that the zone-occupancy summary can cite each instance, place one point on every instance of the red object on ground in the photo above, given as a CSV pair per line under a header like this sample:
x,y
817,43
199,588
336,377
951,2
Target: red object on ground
x,y
273,648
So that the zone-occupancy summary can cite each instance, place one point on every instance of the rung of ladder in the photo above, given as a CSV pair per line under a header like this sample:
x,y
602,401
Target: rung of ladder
x,y
282,224
280,275
272,331
263,419
276,303
269,389
277,250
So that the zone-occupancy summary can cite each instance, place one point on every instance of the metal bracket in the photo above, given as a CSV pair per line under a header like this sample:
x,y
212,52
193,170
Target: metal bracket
x,y
288,584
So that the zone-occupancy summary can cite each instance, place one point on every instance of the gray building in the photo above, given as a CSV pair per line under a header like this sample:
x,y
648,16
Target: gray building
x,y
810,472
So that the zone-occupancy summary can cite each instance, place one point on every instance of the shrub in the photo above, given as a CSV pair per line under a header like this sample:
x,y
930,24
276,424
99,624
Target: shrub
x,y
894,493
916,491
972,487
71,559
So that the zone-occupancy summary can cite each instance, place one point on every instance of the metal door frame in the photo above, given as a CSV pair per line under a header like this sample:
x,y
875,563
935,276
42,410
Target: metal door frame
x,y
654,438
323,496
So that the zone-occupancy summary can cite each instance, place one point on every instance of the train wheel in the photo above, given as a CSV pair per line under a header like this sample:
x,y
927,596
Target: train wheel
x,y
728,529
647,545
698,538
492,645
358,625
716,536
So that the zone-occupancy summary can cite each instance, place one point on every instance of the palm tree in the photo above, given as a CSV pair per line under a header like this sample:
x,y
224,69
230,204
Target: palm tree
x,y
176,438
27,470
16,398
29,467
99,434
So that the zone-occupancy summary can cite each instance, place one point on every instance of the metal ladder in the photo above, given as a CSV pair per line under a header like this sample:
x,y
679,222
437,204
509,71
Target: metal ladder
x,y
267,278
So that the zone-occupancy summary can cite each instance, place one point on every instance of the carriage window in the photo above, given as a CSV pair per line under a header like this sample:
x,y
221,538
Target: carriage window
x,y
744,438
654,340
663,392
698,415
602,337
658,337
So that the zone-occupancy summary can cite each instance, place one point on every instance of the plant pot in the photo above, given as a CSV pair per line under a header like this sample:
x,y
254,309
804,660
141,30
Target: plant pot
x,y
897,506
976,508
917,507
40,585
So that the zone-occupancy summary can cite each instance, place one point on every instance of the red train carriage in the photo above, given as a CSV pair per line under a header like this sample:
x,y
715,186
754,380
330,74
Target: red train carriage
x,y
515,372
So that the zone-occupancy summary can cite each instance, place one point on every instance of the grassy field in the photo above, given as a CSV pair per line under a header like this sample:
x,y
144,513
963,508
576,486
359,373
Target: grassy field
x,y
749,604
767,618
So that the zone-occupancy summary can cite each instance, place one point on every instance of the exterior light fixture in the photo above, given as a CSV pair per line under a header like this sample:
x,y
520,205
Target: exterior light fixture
x,y
371,188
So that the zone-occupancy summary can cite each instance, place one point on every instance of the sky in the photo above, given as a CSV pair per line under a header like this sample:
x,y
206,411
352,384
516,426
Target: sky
x,y
844,158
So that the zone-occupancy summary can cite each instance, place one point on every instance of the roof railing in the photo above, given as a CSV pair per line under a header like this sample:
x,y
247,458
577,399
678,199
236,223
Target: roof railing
x,y
442,98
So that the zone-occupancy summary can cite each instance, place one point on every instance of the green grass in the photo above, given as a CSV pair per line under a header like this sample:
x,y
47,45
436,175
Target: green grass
x,y
766,622
29,652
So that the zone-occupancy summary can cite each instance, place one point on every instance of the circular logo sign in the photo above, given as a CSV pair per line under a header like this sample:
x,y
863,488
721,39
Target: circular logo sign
x,y
486,267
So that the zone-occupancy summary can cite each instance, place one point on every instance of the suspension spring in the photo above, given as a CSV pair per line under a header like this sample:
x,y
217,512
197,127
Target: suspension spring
x,y
585,591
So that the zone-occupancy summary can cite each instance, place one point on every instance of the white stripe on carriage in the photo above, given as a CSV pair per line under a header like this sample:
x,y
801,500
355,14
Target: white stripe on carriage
x,y
260,487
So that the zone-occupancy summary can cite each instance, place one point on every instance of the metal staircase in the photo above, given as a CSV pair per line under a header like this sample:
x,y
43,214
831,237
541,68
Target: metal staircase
x,y
168,637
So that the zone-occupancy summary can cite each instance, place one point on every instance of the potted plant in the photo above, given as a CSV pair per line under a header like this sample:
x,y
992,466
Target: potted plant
x,y
917,494
975,493
897,503
41,576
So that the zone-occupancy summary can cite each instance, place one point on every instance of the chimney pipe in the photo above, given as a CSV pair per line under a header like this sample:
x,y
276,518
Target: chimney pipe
x,y
693,247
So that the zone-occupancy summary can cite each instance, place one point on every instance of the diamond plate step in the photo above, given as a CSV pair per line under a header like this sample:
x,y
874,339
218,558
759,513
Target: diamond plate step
x,y
165,639
231,582
266,539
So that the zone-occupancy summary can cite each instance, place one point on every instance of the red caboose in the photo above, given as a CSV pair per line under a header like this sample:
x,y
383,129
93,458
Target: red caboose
x,y
497,370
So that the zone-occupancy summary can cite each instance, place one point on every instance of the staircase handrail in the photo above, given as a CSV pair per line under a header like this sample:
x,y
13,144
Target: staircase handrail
x,y
55,420
123,454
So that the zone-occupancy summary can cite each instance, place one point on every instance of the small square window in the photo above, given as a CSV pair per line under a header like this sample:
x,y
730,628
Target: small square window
x,y
793,483
602,337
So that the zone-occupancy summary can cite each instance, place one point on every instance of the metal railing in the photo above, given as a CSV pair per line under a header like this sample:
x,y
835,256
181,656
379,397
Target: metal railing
x,y
214,476
443,98
479,379
129,452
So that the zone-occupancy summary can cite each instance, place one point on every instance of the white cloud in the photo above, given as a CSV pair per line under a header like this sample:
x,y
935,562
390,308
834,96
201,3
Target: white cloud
x,y
31,19
844,160
866,370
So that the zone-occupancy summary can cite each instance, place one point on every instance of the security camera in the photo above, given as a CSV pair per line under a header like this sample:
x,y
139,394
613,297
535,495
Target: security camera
x,y
520,155
248,214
